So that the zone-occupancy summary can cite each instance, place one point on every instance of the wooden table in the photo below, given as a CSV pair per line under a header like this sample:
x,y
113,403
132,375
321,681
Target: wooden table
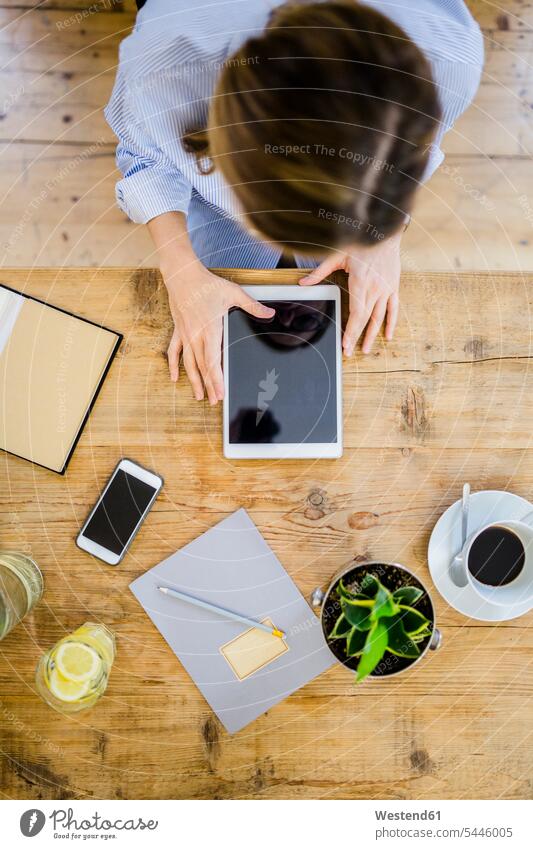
x,y
451,399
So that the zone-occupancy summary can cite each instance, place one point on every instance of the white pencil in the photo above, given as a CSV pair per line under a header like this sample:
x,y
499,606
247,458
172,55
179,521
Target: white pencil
x,y
229,614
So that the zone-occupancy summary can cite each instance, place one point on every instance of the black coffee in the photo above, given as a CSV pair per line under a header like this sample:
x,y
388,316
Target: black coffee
x,y
496,557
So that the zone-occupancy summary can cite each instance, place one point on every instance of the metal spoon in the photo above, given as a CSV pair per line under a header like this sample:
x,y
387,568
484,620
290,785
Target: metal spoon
x,y
458,566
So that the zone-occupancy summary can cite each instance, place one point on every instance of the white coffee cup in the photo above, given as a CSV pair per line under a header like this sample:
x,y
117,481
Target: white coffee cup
x,y
518,591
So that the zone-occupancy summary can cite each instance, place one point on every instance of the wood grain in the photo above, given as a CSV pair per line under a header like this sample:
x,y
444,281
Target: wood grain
x,y
447,401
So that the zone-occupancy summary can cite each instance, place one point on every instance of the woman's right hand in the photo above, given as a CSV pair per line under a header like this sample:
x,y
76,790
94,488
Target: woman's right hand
x,y
198,301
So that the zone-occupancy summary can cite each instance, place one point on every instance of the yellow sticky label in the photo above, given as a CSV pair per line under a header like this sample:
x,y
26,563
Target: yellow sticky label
x,y
253,650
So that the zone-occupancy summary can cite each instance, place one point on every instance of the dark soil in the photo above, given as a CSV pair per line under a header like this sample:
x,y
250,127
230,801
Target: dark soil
x,y
392,577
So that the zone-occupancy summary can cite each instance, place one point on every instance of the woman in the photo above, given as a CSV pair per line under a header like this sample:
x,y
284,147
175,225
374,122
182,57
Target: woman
x,y
254,134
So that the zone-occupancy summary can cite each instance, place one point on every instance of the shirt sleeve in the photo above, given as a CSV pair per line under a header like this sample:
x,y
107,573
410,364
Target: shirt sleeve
x,y
457,79
151,184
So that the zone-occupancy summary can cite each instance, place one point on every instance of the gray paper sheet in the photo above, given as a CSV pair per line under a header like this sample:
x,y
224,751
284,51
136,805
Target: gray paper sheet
x,y
231,565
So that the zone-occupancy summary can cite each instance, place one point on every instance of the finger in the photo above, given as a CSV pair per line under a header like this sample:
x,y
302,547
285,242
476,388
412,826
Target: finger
x,y
354,327
376,320
251,306
201,363
173,356
207,371
328,266
212,355
210,389
193,374
392,315
358,318
199,357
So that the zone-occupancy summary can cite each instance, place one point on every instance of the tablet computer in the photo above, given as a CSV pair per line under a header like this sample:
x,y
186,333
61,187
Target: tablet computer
x,y
282,376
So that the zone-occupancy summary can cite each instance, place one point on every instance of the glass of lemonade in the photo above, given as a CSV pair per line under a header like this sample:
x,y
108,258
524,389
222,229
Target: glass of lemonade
x,y
21,587
73,674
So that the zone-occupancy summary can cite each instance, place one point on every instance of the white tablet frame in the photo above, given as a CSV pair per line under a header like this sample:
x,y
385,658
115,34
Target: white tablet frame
x,y
288,450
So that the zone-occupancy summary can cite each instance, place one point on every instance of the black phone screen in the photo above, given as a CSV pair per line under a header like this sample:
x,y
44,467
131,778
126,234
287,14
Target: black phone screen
x,y
118,513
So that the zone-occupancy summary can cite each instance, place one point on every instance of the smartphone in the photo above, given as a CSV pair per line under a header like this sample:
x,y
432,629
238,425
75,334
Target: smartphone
x,y
119,512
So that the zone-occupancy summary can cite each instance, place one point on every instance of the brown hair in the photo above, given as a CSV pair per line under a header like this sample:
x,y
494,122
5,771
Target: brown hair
x,y
322,125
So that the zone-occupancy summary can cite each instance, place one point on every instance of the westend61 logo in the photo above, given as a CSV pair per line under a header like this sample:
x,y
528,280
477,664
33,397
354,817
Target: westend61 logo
x,y
32,822
268,389
65,825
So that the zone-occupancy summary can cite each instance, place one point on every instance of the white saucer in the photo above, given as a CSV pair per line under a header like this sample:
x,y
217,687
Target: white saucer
x,y
445,542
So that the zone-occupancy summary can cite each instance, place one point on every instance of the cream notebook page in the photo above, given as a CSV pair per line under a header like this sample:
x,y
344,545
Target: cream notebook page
x,y
51,364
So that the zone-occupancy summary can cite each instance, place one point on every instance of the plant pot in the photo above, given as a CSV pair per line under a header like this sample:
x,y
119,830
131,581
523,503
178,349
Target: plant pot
x,y
392,576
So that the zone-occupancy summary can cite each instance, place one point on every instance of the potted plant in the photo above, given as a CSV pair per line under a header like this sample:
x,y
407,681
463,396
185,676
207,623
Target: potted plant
x,y
377,618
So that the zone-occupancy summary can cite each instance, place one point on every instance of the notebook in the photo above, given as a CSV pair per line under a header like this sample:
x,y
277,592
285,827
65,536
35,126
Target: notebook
x,y
52,365
241,671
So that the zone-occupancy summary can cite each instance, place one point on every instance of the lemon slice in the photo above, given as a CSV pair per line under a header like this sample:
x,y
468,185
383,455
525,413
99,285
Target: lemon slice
x,y
77,662
97,636
65,690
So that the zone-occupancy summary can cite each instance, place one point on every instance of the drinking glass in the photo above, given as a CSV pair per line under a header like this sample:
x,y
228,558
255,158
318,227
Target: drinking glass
x,y
21,587
73,674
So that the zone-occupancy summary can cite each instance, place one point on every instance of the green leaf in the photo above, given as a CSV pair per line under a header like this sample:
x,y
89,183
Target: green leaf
x,y
384,604
359,602
357,615
341,628
400,643
348,594
407,595
342,591
374,649
355,642
412,620
370,585
422,635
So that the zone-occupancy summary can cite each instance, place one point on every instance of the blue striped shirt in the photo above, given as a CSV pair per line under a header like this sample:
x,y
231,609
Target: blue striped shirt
x,y
167,71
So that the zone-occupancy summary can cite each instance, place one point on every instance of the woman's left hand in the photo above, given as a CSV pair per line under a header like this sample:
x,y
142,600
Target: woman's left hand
x,y
373,283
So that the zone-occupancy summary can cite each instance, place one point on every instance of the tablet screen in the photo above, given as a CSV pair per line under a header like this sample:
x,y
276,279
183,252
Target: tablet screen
x,y
282,374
